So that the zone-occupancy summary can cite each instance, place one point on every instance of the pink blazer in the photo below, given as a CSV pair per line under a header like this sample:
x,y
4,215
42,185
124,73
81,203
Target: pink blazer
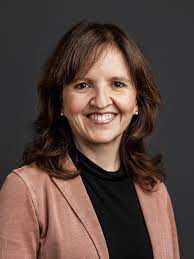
x,y
48,218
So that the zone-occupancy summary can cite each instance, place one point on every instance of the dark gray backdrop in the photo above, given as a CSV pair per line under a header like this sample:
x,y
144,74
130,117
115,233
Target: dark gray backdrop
x,y
30,30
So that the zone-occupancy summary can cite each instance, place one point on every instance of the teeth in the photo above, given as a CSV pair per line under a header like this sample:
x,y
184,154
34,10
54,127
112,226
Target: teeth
x,y
101,118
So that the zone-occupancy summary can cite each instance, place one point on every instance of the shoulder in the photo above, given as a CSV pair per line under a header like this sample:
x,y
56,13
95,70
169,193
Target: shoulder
x,y
161,188
162,194
29,173
25,181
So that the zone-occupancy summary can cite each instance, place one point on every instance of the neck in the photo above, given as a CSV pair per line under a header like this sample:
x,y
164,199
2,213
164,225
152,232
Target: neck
x,y
105,155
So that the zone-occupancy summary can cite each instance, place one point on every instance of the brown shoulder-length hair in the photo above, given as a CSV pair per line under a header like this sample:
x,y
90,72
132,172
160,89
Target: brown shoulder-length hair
x,y
77,50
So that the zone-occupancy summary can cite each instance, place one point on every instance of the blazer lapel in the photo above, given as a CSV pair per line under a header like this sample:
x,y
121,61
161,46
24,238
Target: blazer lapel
x,y
75,193
150,210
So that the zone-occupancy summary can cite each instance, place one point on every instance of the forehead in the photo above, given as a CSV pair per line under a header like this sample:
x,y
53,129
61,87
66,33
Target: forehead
x,y
109,61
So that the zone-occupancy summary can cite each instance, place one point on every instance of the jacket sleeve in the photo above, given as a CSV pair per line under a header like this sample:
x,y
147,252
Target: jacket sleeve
x,y
172,221
19,230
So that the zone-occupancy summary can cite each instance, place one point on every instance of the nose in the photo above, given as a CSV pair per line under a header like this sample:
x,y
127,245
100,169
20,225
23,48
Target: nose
x,y
101,97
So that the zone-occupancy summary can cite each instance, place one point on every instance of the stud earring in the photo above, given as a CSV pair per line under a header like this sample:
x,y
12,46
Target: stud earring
x,y
61,113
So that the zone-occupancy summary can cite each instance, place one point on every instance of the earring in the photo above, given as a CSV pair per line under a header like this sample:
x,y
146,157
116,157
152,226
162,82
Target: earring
x,y
61,113
136,112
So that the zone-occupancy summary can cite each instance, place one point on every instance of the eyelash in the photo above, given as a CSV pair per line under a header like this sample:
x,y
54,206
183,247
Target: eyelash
x,y
77,86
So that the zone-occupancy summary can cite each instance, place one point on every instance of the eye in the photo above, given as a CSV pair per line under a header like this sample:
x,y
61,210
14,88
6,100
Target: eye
x,y
119,84
81,86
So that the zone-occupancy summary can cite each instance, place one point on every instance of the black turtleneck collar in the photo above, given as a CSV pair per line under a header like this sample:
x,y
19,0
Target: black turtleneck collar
x,y
87,166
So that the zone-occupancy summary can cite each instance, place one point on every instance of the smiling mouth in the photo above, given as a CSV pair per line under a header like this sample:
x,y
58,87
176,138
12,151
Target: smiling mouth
x,y
101,119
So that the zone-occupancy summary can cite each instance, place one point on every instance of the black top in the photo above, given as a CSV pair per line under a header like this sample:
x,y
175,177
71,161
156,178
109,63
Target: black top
x,y
117,207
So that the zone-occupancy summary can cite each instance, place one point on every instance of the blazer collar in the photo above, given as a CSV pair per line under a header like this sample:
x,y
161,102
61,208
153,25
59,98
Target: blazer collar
x,y
75,193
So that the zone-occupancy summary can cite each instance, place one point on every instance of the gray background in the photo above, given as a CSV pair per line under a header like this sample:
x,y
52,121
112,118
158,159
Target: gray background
x,y
30,30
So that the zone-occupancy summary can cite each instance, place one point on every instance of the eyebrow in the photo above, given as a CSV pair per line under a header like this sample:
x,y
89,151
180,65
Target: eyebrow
x,y
119,78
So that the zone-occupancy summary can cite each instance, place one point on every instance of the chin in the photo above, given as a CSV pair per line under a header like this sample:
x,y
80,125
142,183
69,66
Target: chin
x,y
103,139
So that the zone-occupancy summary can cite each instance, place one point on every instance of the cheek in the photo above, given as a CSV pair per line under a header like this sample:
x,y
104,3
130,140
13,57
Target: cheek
x,y
73,104
127,103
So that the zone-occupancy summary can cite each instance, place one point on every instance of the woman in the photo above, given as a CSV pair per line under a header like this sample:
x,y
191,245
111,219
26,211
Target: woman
x,y
87,187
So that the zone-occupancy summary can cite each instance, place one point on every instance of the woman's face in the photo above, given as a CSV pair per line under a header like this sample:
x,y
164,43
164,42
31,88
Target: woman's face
x,y
105,89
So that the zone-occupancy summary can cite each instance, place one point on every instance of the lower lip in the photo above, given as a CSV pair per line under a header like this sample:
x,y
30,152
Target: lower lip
x,y
102,122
